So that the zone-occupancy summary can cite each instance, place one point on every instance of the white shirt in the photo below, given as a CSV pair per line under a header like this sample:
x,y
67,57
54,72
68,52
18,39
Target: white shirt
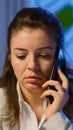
x,y
28,120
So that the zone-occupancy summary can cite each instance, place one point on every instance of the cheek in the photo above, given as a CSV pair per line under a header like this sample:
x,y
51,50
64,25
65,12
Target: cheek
x,y
17,67
17,70
47,68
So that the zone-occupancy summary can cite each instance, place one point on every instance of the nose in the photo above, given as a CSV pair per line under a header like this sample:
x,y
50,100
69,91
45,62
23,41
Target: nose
x,y
33,63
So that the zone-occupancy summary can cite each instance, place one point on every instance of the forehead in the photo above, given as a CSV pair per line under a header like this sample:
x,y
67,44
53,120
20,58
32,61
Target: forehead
x,y
32,39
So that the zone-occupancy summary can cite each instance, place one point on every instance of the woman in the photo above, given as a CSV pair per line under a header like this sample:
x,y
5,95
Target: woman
x,y
34,40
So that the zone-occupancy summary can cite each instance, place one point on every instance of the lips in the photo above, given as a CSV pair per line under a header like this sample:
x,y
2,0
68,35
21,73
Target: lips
x,y
32,79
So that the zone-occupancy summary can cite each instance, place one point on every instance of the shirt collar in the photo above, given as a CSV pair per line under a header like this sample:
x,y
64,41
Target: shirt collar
x,y
21,100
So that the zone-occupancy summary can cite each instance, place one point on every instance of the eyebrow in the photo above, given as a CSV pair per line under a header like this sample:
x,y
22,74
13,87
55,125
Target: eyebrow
x,y
42,48
38,49
20,49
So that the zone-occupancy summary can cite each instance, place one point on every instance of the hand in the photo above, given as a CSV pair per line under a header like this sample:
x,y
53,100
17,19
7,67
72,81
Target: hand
x,y
60,96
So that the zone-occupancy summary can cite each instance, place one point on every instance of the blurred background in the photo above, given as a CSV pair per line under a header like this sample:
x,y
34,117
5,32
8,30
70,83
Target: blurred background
x,y
62,8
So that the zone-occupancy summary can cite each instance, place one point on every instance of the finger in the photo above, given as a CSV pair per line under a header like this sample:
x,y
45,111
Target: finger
x,y
64,80
53,83
50,83
48,93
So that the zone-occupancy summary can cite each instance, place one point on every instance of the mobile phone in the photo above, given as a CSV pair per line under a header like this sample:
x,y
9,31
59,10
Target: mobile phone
x,y
55,76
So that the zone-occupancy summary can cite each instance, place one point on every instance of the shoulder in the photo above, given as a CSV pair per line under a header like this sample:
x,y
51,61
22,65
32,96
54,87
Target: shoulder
x,y
2,98
2,93
3,103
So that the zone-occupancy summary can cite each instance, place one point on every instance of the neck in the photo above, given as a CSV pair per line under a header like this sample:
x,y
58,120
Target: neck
x,y
32,97
34,100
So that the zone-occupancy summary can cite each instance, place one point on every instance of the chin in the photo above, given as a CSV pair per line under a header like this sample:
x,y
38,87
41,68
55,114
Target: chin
x,y
30,86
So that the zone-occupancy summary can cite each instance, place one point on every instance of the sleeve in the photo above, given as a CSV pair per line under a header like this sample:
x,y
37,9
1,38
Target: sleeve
x,y
0,126
59,121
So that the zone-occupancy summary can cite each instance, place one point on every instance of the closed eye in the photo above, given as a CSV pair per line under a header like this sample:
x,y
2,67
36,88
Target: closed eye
x,y
20,53
45,56
21,57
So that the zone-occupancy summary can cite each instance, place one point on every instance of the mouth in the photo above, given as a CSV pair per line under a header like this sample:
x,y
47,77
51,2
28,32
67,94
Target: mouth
x,y
33,79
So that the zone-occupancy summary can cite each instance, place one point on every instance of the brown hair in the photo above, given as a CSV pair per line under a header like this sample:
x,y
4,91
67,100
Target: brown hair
x,y
31,18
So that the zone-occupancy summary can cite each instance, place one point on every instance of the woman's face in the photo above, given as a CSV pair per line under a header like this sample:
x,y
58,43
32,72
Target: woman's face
x,y
32,57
